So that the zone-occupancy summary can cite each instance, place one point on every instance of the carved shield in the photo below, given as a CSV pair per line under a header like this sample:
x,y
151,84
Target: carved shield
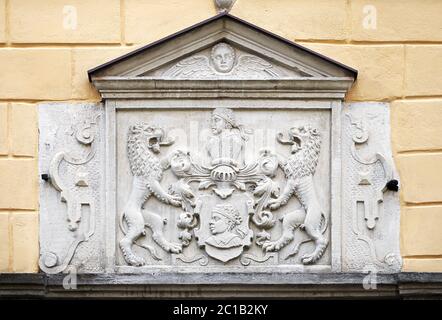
x,y
224,225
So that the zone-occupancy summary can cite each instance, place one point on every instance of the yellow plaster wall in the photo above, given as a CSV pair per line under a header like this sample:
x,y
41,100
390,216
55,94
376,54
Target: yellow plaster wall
x,y
44,58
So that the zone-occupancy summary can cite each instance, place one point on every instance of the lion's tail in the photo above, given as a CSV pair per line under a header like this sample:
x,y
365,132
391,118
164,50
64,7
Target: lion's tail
x,y
324,223
122,226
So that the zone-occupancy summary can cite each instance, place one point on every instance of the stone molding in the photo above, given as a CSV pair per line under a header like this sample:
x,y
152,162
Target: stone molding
x,y
305,286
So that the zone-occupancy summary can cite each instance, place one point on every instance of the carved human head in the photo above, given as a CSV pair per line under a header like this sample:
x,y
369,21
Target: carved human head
x,y
224,218
222,118
223,57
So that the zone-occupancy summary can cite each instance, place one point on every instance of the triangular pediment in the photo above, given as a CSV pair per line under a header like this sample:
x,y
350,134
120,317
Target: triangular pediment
x,y
223,48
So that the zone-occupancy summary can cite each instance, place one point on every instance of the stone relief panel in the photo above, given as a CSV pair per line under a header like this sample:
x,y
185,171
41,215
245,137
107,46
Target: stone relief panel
x,y
224,61
371,210
71,165
223,187
219,188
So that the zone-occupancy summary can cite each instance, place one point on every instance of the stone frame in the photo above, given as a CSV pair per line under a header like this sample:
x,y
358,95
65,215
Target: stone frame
x,y
334,106
311,82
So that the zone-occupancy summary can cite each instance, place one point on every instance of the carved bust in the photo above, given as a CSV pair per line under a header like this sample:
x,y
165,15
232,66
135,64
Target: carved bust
x,y
225,227
227,142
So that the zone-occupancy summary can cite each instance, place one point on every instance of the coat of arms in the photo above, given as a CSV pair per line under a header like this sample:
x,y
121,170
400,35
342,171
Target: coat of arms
x,y
222,197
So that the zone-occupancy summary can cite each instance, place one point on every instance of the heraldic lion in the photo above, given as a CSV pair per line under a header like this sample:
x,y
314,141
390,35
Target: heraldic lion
x,y
143,141
299,169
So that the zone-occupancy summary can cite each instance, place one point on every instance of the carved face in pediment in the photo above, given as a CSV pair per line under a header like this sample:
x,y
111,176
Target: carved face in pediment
x,y
223,57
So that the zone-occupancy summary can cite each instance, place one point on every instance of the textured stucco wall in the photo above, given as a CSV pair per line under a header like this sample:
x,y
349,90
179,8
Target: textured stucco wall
x,y
47,46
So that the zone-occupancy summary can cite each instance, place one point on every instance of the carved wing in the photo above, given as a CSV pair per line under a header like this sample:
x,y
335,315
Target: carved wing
x,y
255,67
192,67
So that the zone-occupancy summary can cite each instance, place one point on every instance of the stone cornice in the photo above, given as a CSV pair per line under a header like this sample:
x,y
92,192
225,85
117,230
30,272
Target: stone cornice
x,y
145,87
235,285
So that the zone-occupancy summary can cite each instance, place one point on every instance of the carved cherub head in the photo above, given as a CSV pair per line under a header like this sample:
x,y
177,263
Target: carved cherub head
x,y
223,57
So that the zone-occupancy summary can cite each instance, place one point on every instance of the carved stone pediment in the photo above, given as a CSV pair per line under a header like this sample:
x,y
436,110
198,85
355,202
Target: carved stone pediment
x,y
222,148
221,51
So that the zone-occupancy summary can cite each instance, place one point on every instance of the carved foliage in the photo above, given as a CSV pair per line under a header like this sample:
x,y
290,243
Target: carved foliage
x,y
75,194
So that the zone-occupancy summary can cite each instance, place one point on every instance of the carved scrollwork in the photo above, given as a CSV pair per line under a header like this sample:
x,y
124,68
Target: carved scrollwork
x,y
246,259
84,133
370,171
373,200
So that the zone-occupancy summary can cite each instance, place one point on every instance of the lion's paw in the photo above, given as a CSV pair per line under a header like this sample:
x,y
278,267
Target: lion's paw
x,y
174,200
315,255
128,255
308,258
269,246
274,204
135,261
174,248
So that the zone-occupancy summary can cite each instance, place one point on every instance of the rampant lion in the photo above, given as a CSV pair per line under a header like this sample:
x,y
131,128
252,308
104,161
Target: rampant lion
x,y
143,141
299,169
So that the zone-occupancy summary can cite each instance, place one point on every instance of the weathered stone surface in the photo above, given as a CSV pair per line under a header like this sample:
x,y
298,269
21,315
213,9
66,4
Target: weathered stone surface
x,y
380,68
416,125
406,285
297,20
72,155
264,285
23,130
370,212
220,200
417,224
396,20
59,21
4,242
35,73
18,184
421,175
423,67
4,143
25,247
